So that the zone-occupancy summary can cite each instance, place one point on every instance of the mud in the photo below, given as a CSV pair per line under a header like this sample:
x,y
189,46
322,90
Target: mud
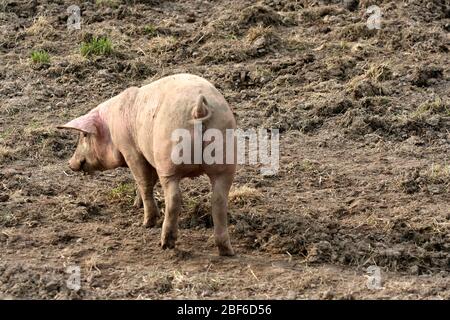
x,y
364,175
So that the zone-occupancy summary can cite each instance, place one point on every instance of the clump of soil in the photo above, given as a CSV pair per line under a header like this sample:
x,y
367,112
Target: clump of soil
x,y
426,75
259,15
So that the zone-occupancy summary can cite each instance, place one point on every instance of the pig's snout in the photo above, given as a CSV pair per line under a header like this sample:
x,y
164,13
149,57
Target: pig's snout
x,y
76,165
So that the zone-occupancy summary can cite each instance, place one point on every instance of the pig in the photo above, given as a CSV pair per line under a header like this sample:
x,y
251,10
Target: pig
x,y
134,130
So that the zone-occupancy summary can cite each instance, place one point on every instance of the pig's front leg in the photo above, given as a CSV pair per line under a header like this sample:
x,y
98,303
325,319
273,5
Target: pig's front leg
x,y
172,197
146,178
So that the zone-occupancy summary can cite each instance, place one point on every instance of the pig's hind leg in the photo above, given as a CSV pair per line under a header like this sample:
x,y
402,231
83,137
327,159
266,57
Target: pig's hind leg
x,y
221,185
137,199
146,178
172,196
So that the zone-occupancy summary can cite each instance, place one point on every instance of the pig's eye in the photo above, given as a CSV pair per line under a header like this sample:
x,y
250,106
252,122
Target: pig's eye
x,y
84,134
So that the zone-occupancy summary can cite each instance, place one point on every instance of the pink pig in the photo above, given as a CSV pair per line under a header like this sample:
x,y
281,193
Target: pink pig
x,y
134,128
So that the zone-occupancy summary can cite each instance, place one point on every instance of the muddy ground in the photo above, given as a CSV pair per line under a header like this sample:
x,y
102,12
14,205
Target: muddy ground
x,y
364,175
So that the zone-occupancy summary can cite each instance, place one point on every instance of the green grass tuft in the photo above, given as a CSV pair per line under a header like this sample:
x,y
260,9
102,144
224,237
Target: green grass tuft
x,y
96,46
123,190
40,56
150,30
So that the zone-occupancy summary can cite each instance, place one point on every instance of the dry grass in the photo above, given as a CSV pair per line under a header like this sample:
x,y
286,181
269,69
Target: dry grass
x,y
431,107
245,195
376,72
93,263
41,27
162,44
314,13
7,219
38,132
438,172
355,31
5,154
198,283
379,72
370,82
299,42
362,48
184,283
258,32
259,14
235,50
108,3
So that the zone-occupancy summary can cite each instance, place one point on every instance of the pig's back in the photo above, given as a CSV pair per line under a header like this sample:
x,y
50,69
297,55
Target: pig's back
x,y
170,101
167,105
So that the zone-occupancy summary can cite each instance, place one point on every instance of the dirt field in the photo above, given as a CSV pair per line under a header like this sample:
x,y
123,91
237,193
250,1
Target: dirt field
x,y
364,179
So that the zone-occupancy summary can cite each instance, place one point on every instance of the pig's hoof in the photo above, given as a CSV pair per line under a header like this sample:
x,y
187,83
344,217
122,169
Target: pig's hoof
x,y
168,243
226,251
138,202
150,223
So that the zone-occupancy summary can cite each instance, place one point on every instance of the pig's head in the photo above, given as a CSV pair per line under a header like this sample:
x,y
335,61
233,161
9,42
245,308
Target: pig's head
x,y
95,150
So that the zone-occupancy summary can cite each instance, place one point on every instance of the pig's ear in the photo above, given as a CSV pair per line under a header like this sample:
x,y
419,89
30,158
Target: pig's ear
x,y
86,123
